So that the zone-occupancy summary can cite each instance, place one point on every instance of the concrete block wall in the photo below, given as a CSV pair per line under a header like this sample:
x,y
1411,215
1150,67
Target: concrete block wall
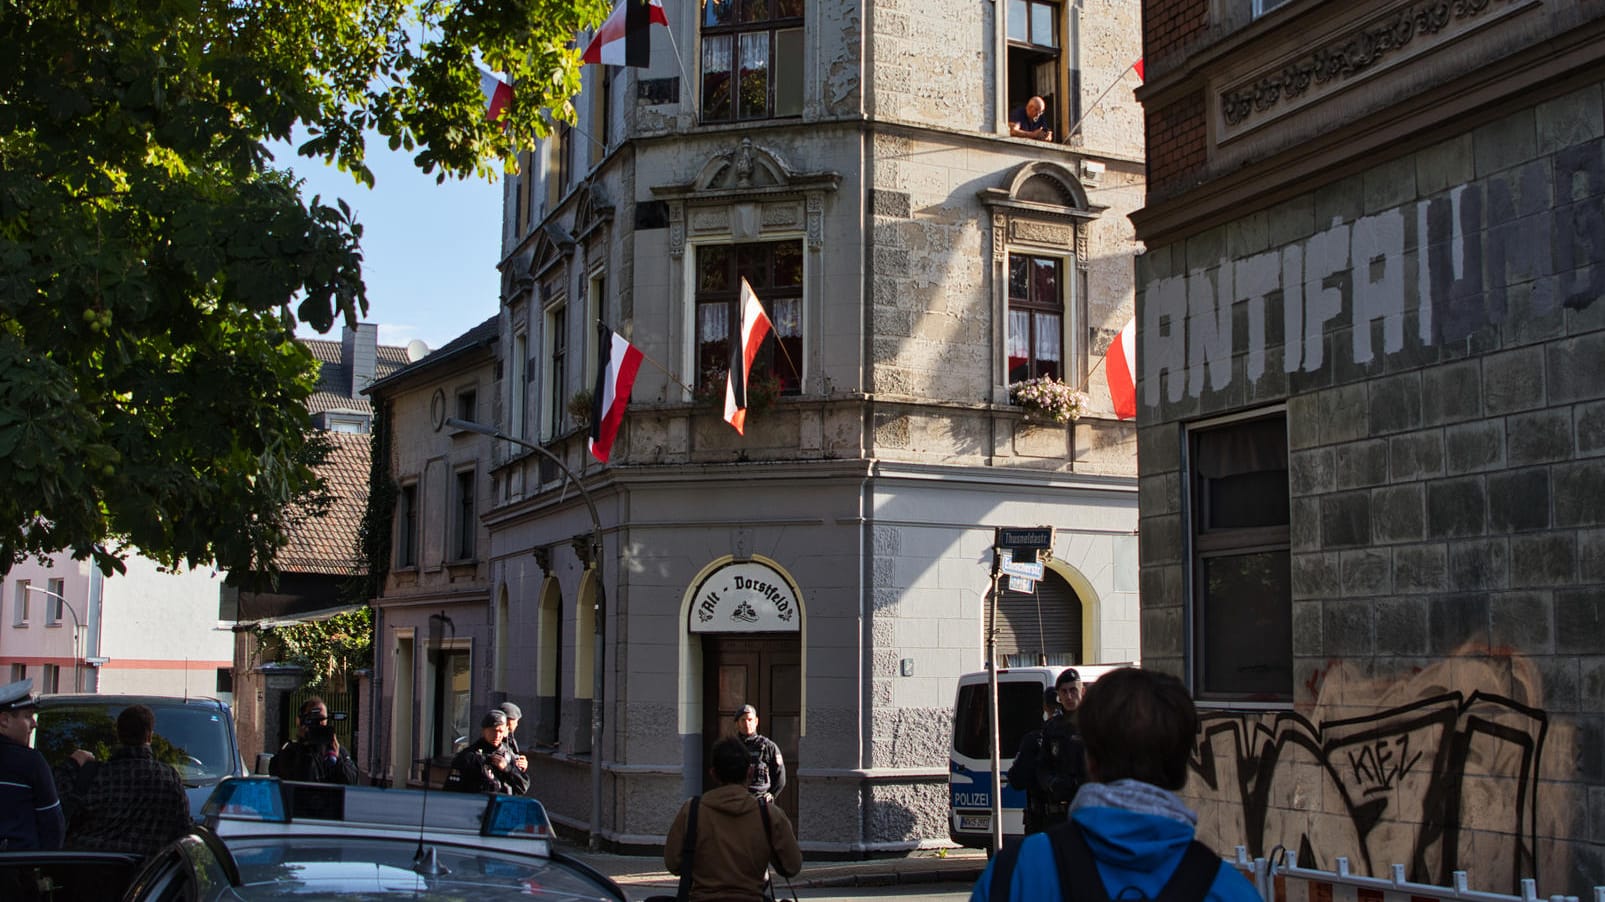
x,y
1435,326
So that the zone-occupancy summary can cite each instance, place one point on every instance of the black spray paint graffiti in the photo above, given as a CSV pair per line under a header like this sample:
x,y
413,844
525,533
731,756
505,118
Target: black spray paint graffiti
x,y
1411,784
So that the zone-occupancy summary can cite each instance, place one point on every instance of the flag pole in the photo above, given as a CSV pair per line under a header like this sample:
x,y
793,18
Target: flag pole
x,y
648,358
1105,93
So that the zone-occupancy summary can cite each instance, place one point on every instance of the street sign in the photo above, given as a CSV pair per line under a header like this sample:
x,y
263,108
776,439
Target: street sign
x,y
1023,569
1022,584
1025,537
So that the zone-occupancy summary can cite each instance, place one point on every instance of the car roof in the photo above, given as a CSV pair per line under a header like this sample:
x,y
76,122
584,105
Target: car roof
x,y
150,701
268,806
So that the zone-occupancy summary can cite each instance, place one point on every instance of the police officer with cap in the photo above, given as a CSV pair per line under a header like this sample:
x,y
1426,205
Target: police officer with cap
x,y
30,812
768,775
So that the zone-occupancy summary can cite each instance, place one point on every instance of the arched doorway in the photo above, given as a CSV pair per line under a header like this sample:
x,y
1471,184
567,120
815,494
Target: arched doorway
x,y
1044,626
748,618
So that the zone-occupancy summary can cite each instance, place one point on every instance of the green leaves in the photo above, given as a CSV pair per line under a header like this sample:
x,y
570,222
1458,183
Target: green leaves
x,y
153,264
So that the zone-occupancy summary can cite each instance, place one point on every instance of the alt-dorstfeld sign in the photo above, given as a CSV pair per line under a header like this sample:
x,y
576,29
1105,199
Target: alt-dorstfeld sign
x,y
746,597
1025,538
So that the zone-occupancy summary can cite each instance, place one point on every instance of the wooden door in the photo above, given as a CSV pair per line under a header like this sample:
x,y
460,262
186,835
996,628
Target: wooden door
x,y
765,672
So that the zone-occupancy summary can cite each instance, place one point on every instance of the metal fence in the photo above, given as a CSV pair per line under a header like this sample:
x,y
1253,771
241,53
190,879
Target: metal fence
x,y
1280,879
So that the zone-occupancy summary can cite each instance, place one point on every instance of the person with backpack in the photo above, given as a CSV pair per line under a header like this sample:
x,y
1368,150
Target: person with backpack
x,y
723,842
1129,835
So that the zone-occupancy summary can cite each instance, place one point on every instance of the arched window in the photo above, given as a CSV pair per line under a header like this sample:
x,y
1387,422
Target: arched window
x,y
1040,627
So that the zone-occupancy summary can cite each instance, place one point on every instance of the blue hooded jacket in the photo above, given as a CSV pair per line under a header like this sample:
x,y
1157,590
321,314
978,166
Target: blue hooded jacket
x,y
1137,833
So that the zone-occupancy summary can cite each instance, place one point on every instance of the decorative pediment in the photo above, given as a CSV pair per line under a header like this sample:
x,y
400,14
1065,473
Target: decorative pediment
x,y
750,170
516,279
1043,187
551,246
592,211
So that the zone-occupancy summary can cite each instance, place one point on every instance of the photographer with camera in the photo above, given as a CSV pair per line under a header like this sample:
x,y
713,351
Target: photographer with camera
x,y
487,765
315,755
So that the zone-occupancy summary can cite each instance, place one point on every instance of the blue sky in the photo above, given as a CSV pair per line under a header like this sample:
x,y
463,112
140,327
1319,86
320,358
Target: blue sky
x,y
429,251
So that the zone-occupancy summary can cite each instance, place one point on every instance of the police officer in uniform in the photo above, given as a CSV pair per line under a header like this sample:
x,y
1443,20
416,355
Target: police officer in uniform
x,y
1023,772
768,767
30,812
1062,759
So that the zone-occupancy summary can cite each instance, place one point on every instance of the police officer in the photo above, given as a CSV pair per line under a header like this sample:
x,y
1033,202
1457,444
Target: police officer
x,y
1023,772
768,767
30,812
1062,760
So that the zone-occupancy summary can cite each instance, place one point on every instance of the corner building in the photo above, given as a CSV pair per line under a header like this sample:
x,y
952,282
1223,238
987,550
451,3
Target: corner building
x,y
1372,427
830,566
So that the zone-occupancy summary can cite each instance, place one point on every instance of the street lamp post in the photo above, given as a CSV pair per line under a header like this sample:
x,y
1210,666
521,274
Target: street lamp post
x,y
77,633
600,609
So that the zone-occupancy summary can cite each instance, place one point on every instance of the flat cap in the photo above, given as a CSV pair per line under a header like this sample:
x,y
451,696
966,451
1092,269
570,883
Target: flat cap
x,y
493,718
512,711
18,695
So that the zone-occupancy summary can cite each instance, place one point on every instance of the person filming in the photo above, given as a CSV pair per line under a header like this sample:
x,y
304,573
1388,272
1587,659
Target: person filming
x,y
315,755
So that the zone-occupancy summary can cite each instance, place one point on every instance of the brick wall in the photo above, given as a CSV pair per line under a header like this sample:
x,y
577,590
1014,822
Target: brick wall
x,y
1170,27
1177,145
1435,326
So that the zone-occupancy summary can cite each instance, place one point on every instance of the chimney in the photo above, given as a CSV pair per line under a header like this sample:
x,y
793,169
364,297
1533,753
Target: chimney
x,y
359,351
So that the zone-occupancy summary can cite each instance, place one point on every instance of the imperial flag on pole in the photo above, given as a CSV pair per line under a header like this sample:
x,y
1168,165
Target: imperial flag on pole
x,y
1121,368
755,327
625,38
616,366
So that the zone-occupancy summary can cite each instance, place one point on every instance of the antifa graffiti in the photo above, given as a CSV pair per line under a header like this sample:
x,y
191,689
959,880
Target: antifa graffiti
x,y
1524,244
1411,784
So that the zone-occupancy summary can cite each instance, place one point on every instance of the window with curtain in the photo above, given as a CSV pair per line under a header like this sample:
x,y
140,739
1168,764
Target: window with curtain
x,y
1036,317
752,59
775,272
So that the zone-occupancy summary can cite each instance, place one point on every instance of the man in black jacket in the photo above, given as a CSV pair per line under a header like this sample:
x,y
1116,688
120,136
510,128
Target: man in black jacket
x,y
30,812
768,767
1061,761
487,765
128,803
1023,772
315,755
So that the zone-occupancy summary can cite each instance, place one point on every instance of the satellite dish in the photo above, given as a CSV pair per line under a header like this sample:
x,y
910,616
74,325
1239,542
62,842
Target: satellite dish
x,y
416,350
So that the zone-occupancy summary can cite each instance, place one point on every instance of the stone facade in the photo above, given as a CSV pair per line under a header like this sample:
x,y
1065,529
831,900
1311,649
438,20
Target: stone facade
x,y
1399,263
871,492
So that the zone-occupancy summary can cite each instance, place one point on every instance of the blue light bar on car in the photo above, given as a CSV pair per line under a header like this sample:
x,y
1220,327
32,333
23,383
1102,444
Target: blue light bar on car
x,y
516,817
253,798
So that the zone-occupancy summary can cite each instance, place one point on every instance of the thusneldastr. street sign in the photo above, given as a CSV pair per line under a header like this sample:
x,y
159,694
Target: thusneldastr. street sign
x,y
1023,569
1025,537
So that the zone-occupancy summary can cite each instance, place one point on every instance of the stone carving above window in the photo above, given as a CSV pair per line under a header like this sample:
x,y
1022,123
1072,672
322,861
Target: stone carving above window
x,y
745,193
1409,30
1043,204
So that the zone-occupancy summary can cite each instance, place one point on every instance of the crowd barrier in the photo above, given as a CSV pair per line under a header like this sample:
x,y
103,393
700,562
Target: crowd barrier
x,y
1280,879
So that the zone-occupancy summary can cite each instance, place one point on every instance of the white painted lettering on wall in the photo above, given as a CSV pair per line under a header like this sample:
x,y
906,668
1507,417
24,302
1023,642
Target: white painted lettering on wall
x,y
1452,261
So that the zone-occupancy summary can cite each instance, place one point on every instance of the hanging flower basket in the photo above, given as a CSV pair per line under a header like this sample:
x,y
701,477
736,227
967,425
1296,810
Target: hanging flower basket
x,y
1047,400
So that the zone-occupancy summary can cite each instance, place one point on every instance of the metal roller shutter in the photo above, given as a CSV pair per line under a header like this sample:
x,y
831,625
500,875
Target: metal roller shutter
x,y
1045,623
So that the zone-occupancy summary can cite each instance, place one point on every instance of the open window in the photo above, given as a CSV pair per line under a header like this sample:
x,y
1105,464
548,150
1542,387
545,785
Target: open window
x,y
1042,60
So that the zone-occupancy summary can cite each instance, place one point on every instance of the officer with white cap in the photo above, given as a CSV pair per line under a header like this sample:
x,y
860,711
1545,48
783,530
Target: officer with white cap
x,y
30,812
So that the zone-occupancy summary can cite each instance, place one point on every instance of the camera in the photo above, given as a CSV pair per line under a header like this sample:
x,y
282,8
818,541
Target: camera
x,y
312,719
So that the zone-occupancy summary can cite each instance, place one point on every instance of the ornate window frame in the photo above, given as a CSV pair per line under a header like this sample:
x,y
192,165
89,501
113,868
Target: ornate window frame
x,y
747,193
1042,209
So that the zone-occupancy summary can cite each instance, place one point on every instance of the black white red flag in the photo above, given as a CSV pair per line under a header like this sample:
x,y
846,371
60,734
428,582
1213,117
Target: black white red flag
x,y
616,366
755,327
625,38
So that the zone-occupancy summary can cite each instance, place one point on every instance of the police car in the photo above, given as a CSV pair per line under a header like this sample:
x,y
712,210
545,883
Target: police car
x,y
263,838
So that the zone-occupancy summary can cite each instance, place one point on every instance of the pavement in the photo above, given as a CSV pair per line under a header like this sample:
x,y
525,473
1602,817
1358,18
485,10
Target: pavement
x,y
960,866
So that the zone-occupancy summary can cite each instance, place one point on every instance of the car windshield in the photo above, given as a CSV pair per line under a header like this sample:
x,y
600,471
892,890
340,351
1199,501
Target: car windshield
x,y
189,737
331,867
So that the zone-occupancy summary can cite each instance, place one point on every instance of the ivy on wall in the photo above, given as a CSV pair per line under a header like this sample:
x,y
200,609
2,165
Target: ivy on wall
x,y
373,534
331,650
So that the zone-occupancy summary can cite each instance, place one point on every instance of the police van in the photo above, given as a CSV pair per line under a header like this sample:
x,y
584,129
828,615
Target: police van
x,y
969,778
